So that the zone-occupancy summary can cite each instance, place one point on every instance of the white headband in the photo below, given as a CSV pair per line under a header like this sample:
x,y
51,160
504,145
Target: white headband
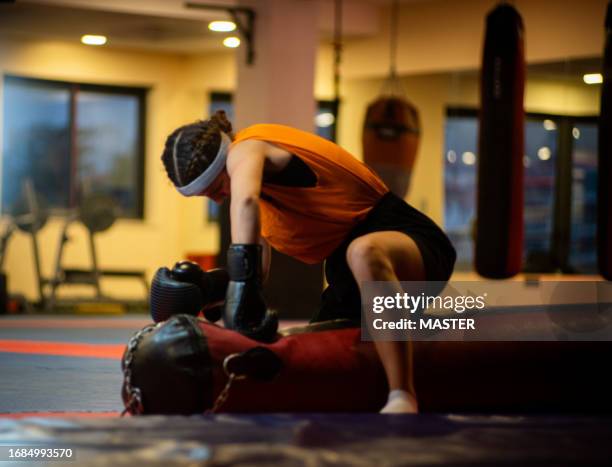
x,y
205,179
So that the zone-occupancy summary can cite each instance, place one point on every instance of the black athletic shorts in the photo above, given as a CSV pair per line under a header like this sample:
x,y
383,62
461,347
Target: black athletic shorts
x,y
341,299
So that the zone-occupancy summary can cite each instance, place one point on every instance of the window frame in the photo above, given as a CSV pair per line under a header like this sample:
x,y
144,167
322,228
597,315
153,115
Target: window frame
x,y
73,88
221,96
562,201
332,107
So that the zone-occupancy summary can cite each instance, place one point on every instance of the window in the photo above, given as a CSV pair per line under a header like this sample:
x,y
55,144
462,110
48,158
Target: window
x,y
583,216
219,101
540,162
325,120
72,140
560,190
461,139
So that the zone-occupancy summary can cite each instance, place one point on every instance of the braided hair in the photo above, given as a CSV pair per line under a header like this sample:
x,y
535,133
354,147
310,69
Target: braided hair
x,y
196,149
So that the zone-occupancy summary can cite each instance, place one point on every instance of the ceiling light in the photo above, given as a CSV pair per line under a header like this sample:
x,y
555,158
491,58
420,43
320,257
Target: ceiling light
x,y
222,26
231,42
92,39
593,78
549,125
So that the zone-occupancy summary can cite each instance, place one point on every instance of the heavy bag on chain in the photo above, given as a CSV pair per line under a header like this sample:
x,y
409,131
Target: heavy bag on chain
x,y
391,140
499,230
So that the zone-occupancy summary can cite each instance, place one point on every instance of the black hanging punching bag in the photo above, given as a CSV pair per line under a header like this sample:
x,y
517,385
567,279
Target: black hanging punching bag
x,y
604,191
499,230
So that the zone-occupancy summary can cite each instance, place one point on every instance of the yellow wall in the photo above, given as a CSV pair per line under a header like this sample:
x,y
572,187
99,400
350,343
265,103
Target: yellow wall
x,y
560,95
445,35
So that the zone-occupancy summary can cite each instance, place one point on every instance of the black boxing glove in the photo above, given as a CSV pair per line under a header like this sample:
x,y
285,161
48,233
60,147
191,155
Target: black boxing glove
x,y
245,309
188,289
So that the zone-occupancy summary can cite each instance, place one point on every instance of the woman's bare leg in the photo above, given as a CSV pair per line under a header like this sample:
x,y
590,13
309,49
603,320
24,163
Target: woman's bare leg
x,y
391,257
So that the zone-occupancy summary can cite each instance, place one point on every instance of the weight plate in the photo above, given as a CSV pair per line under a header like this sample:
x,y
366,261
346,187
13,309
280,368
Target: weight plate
x,y
98,212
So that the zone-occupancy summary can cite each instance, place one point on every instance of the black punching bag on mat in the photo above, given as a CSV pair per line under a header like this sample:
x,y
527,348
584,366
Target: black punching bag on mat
x,y
499,230
604,194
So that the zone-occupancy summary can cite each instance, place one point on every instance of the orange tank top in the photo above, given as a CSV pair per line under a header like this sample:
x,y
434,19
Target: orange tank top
x,y
310,223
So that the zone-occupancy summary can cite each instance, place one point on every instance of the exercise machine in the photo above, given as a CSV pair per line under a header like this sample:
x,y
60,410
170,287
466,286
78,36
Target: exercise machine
x,y
97,213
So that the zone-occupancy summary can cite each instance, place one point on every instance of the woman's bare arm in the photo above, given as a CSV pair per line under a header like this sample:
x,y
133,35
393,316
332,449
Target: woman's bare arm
x,y
245,167
266,258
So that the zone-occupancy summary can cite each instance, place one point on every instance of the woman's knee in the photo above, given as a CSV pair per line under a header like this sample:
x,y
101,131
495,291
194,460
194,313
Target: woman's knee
x,y
369,260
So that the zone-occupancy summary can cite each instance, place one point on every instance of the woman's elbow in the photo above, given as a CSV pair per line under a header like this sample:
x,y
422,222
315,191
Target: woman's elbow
x,y
247,207
250,201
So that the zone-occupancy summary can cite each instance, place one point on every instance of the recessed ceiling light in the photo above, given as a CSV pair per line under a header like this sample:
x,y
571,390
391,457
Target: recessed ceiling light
x,y
222,26
231,42
593,78
92,39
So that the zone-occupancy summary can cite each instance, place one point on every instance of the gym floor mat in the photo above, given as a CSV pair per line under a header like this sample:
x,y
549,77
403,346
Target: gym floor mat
x,y
59,388
55,364
320,440
62,364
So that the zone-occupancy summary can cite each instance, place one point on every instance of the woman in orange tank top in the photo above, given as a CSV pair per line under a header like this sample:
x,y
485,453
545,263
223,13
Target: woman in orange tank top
x,y
310,199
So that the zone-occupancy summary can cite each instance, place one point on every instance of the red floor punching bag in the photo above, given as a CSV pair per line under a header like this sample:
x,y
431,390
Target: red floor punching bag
x,y
604,195
499,231
390,141
323,367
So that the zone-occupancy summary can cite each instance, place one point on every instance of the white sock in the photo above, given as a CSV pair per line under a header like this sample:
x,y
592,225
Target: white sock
x,y
400,401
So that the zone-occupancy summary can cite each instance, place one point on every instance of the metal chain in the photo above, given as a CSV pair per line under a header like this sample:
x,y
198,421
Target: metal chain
x,y
231,377
394,38
134,394
223,395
